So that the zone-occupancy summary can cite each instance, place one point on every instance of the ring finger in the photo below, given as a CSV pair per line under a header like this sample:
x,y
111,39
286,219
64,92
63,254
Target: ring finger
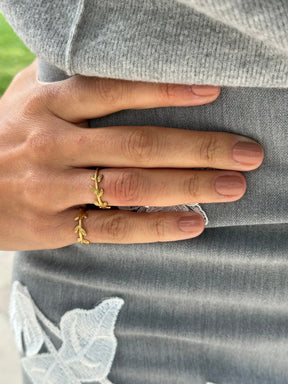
x,y
155,187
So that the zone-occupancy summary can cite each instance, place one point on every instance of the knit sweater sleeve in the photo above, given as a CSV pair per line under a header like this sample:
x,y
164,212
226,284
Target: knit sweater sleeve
x,y
263,21
224,42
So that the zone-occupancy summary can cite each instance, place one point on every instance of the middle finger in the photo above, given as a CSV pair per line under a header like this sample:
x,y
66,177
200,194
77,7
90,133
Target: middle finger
x,y
152,147
153,187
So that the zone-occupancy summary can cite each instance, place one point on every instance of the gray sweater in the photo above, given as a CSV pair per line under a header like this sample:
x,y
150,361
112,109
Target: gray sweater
x,y
221,42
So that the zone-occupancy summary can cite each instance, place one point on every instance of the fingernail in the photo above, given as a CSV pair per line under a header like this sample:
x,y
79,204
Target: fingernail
x,y
205,90
229,185
247,153
191,224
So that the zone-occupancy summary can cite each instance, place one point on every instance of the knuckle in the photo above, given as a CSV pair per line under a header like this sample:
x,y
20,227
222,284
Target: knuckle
x,y
74,90
192,187
160,227
40,144
128,187
31,188
37,225
208,149
167,91
60,93
35,191
82,140
114,228
109,91
34,102
140,146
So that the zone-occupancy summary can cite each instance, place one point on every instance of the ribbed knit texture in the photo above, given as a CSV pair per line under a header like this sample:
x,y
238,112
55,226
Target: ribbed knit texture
x,y
225,42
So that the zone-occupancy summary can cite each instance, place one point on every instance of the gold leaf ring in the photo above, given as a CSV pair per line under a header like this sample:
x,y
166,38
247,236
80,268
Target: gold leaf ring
x,y
99,192
79,229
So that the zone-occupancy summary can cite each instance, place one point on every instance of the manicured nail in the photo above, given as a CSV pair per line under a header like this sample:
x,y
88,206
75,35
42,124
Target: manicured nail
x,y
247,153
229,185
205,90
192,224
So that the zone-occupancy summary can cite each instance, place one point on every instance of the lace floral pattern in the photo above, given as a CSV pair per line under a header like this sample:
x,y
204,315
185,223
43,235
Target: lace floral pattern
x,y
88,341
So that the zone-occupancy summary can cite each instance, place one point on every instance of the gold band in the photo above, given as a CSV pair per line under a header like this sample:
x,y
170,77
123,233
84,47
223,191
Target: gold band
x,y
81,231
83,214
97,178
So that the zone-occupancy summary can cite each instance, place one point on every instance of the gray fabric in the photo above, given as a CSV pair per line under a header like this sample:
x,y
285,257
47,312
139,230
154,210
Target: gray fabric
x,y
48,72
223,42
213,308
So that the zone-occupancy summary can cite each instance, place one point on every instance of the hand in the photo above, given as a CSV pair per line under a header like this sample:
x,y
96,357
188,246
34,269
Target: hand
x,y
46,148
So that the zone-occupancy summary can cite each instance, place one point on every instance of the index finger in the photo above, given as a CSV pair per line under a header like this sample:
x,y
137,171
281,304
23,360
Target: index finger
x,y
80,98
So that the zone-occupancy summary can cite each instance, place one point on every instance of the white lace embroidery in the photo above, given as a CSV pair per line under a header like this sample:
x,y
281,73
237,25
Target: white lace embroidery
x,y
183,207
88,341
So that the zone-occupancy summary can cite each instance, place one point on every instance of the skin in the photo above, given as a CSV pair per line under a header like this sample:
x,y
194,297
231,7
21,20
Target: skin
x,y
46,148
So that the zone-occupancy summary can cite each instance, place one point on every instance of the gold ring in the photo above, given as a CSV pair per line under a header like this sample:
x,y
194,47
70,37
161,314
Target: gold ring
x,y
83,213
81,231
99,192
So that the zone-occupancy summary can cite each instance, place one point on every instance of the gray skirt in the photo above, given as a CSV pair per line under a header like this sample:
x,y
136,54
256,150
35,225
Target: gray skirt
x,y
208,309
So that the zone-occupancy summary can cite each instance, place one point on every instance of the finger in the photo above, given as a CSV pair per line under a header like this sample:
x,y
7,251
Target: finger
x,y
157,147
79,97
122,227
155,187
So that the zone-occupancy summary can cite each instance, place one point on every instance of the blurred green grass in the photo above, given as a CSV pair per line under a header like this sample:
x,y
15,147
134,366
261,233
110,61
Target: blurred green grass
x,y
14,55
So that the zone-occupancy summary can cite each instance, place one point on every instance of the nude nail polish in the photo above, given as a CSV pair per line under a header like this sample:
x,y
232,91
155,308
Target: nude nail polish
x,y
247,153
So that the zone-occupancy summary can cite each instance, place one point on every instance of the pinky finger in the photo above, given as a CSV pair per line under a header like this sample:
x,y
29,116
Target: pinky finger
x,y
124,227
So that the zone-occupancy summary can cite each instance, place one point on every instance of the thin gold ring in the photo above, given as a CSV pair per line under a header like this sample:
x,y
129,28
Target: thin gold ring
x,y
83,213
79,229
99,192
